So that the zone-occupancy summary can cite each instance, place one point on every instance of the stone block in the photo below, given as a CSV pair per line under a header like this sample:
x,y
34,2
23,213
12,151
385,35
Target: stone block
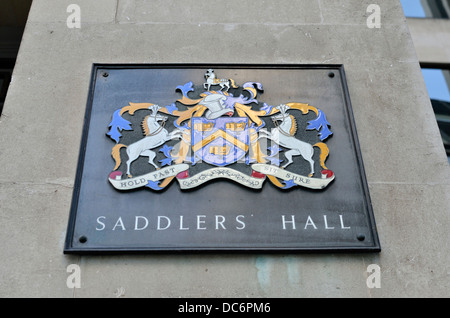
x,y
431,39
392,125
210,12
41,130
92,12
356,12
32,232
235,276
412,223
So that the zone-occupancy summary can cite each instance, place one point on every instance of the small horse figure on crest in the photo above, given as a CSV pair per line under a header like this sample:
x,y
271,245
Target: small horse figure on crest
x,y
211,80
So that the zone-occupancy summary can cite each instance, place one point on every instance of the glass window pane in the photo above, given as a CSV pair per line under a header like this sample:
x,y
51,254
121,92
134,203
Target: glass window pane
x,y
426,8
438,82
413,9
438,85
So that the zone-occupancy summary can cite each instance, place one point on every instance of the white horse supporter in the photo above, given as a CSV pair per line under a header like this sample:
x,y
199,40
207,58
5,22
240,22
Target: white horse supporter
x,y
284,135
156,135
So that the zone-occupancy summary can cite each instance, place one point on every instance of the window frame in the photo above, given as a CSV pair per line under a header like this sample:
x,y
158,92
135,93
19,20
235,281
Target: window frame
x,y
445,67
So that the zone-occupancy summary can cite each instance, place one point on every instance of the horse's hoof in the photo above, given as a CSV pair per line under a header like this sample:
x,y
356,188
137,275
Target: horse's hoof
x,y
130,176
310,175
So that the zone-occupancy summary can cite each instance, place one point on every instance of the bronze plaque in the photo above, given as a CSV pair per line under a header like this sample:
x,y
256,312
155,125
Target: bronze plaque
x,y
221,158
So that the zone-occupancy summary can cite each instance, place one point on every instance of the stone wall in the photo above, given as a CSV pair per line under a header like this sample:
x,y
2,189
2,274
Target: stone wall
x,y
42,121
431,38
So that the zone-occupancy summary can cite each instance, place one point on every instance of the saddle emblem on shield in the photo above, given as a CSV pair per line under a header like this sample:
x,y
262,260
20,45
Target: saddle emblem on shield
x,y
221,141
224,134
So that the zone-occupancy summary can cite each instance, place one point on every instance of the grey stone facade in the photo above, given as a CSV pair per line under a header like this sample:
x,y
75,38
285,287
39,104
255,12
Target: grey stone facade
x,y
42,122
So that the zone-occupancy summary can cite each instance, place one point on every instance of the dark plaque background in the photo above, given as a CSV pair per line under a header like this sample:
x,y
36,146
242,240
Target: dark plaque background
x,y
339,217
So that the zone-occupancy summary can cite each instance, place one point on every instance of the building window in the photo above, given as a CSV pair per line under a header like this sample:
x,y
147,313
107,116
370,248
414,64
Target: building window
x,y
437,80
439,9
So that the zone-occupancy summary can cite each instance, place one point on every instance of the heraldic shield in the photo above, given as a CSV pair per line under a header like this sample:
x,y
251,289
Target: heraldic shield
x,y
222,141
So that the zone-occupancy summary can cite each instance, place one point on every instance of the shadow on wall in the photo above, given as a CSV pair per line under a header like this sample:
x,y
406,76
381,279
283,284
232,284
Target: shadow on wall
x,y
13,18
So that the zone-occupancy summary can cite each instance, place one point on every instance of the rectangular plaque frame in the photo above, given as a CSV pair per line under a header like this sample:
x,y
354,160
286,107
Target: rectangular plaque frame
x,y
221,215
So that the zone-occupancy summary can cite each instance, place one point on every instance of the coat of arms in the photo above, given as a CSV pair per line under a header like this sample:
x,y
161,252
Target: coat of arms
x,y
225,133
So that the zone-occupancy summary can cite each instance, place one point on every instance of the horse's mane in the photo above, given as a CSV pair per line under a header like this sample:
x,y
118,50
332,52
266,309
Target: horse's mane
x,y
145,126
293,129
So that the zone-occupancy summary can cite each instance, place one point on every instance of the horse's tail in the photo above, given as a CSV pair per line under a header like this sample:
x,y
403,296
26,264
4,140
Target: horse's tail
x,y
233,83
324,151
116,155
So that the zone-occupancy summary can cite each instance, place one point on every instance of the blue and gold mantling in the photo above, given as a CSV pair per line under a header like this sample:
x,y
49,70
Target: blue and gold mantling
x,y
218,128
